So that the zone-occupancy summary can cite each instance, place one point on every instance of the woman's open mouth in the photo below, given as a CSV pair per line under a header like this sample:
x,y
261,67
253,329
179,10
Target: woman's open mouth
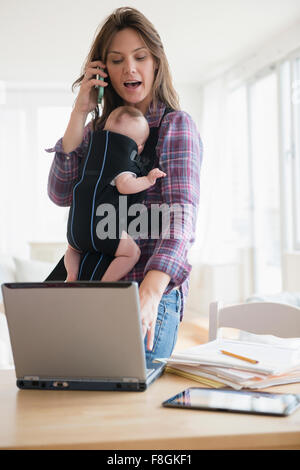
x,y
131,85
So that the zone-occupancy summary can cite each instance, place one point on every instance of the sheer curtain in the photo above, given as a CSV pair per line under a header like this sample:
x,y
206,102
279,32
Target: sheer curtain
x,y
222,252
215,240
239,220
30,121
16,181
263,103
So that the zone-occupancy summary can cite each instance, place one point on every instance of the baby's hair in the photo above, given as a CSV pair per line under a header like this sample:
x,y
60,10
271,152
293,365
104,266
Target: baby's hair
x,y
119,112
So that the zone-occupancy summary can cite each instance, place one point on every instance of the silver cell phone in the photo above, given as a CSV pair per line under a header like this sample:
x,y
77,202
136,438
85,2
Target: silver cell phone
x,y
238,401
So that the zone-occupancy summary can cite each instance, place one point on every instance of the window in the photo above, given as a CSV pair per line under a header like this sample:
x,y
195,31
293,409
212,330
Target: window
x,y
31,119
15,182
50,220
239,167
296,154
263,126
269,219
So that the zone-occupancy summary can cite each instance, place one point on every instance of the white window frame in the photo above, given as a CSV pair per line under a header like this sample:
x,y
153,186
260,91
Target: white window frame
x,y
295,158
289,164
287,157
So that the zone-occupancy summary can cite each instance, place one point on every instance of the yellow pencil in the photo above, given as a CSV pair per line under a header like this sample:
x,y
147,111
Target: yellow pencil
x,y
242,358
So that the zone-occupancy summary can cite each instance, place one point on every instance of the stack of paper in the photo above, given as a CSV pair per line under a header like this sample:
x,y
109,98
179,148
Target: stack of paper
x,y
271,364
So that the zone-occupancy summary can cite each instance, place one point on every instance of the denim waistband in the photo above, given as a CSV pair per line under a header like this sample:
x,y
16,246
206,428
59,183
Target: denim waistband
x,y
171,296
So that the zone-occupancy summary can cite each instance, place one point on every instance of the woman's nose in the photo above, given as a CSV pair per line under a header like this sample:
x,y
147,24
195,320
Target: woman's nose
x,y
129,66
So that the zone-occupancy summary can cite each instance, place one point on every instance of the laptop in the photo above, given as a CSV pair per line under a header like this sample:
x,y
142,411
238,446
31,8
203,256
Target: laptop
x,y
77,336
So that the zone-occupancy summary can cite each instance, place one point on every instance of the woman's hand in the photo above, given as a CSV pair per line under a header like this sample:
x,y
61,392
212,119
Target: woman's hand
x,y
87,98
149,303
150,291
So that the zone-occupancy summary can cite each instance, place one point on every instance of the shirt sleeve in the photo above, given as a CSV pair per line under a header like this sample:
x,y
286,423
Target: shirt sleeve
x,y
64,170
180,157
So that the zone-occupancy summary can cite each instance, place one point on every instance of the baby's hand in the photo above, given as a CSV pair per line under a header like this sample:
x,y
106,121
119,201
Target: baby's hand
x,y
154,174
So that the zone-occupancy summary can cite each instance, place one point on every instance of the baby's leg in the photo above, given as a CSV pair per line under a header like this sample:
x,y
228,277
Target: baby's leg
x,y
72,262
126,256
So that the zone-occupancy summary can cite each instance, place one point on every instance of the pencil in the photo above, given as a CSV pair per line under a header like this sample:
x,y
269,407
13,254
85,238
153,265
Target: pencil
x,y
242,358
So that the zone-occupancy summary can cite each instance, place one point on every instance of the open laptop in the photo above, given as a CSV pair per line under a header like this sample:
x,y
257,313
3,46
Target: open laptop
x,y
77,336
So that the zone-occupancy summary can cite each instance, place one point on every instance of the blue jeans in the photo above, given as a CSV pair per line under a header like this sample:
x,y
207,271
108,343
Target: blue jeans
x,y
166,329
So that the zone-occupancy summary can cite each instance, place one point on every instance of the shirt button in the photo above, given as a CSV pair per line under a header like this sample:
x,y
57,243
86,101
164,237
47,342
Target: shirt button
x,y
68,157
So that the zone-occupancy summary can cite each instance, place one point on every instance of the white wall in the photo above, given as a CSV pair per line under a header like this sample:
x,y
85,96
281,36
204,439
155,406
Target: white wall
x,y
48,41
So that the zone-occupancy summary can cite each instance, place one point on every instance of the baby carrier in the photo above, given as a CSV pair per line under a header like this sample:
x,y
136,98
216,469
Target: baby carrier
x,y
108,155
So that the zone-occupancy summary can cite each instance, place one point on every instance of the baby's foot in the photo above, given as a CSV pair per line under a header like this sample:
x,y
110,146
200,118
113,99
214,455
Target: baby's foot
x,y
71,262
71,277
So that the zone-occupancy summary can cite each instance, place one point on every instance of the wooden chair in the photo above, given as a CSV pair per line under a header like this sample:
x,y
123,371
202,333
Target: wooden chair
x,y
268,318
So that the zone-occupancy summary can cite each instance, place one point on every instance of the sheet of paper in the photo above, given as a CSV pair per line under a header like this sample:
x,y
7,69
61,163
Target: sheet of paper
x,y
271,358
193,374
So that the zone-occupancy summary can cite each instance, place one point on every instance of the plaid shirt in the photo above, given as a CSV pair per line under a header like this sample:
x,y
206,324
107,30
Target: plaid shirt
x,y
179,153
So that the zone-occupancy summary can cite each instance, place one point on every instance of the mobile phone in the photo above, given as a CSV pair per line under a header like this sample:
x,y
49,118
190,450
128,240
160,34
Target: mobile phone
x,y
238,401
100,88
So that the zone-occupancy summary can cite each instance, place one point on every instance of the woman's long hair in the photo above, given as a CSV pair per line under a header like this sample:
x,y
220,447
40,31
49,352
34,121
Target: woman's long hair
x,y
162,90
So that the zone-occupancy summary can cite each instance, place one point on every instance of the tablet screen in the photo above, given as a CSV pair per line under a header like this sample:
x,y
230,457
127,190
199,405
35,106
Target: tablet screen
x,y
235,401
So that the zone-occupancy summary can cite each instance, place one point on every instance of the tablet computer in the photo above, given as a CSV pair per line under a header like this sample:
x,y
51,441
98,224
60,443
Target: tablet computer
x,y
264,403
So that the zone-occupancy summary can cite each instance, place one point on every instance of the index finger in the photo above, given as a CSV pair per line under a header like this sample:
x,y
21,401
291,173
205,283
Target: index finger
x,y
150,338
98,63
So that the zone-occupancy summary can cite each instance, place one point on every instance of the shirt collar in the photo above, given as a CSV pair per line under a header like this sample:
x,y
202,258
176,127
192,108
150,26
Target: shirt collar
x,y
154,117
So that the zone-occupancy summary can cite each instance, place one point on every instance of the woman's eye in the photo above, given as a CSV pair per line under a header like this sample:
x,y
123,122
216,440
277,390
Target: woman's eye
x,y
118,61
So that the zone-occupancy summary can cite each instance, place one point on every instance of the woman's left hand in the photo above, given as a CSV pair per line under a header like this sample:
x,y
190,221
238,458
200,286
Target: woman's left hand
x,y
149,302
150,291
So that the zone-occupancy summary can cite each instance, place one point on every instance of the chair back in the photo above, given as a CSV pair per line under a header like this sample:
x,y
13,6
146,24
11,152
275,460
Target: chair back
x,y
268,318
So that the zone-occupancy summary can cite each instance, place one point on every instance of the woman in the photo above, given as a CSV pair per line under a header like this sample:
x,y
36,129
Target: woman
x,y
135,69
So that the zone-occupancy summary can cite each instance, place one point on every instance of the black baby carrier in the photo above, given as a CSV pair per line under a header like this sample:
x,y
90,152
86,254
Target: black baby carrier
x,y
93,195
108,155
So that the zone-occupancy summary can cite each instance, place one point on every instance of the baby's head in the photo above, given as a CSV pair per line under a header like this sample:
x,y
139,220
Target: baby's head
x,y
131,122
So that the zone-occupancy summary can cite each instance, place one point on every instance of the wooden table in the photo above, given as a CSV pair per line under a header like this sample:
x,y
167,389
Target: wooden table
x,y
132,420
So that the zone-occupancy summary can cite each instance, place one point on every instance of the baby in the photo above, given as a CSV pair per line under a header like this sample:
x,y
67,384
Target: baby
x,y
130,122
